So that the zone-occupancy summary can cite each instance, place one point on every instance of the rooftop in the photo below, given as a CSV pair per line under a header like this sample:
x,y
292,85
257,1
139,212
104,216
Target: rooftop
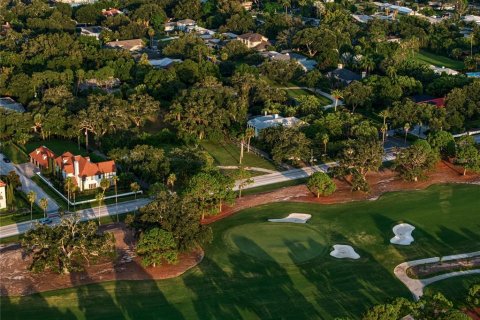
x,y
268,121
10,104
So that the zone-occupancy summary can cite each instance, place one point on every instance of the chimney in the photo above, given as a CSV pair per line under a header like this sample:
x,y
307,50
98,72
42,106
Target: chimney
x,y
76,168
364,74
265,113
38,151
275,116
340,66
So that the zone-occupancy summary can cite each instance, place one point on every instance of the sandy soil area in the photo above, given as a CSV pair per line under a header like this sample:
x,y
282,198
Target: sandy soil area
x,y
16,280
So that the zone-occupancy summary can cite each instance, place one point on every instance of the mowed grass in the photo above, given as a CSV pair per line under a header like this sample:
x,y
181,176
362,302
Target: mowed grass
x,y
296,93
228,154
439,61
14,153
232,284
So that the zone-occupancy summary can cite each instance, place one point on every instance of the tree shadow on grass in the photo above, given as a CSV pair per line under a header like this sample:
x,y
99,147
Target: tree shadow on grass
x,y
253,288
30,307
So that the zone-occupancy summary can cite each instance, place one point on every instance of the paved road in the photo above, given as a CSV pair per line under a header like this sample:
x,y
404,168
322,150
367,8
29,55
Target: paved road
x,y
416,286
296,174
86,214
28,185
288,175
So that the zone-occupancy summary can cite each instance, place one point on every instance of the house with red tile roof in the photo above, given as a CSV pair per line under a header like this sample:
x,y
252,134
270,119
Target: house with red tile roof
x,y
112,12
86,174
3,195
42,157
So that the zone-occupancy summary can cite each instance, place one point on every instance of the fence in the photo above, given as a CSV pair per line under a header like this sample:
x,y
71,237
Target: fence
x,y
125,194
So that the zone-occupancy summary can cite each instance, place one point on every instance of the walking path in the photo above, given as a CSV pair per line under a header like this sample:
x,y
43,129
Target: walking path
x,y
247,168
28,185
416,286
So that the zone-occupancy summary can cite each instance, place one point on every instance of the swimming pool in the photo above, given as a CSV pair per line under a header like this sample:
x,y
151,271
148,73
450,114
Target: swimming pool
x,y
473,74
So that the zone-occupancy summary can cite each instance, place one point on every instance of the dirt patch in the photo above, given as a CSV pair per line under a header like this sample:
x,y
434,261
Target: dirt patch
x,y
437,268
380,182
16,280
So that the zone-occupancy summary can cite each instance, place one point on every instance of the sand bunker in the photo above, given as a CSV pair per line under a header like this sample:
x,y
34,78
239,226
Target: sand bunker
x,y
342,251
294,218
403,234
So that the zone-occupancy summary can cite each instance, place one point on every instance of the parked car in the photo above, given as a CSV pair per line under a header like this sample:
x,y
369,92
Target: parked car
x,y
45,221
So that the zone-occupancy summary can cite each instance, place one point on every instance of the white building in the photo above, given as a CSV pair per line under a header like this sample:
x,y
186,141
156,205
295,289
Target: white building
x,y
164,62
86,174
3,195
441,70
268,121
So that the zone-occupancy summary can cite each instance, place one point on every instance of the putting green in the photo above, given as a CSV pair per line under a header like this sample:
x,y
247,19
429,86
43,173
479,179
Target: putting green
x,y
279,242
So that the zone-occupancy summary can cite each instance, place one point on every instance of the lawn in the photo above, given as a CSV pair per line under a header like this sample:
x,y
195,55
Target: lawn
x,y
23,212
59,146
439,61
296,93
14,153
254,271
228,154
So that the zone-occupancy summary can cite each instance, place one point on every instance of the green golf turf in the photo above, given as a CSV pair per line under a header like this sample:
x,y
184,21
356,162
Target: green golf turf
x,y
280,242
249,280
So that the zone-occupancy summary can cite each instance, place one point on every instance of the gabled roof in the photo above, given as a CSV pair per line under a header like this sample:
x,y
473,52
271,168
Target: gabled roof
x,y
130,45
252,37
86,168
41,155
346,75
10,104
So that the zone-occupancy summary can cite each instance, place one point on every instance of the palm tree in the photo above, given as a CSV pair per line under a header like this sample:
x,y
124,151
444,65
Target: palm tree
x,y
336,94
104,184
384,129
406,127
31,196
44,206
151,33
242,145
249,134
74,191
384,114
325,139
68,185
99,197
135,187
171,179
115,182
368,64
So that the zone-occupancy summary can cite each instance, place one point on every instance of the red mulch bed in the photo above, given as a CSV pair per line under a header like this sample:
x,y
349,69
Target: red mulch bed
x,y
16,280
380,182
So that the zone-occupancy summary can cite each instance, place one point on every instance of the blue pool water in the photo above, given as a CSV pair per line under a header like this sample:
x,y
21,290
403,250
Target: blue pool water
x,y
473,74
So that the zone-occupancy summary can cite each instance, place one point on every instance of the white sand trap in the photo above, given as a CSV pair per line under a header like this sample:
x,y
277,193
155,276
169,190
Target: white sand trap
x,y
342,251
294,218
403,234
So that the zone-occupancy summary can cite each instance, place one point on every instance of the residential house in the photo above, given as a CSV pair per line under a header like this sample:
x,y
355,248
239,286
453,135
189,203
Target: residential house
x,y
344,76
86,174
130,45
185,24
93,31
10,104
112,12
3,195
471,18
164,62
268,121
305,63
274,55
254,41
442,70
42,157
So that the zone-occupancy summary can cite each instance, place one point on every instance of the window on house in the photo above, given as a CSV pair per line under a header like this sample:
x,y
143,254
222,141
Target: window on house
x,y
99,176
